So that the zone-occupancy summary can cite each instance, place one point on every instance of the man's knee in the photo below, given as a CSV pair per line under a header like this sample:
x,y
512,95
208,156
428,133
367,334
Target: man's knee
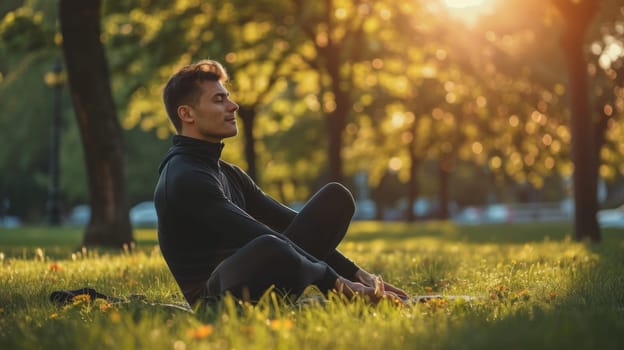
x,y
341,194
272,247
259,259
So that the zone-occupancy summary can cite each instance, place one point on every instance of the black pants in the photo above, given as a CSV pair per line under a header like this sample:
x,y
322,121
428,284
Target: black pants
x,y
293,260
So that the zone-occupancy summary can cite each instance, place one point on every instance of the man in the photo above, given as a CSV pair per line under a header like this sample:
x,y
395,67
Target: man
x,y
218,232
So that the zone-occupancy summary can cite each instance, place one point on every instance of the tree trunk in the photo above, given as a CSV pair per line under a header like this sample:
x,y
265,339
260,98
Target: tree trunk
x,y
577,18
602,124
379,210
412,184
335,125
248,116
336,122
444,170
336,119
100,131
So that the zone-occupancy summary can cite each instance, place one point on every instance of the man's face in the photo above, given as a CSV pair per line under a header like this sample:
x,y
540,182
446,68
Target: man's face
x,y
212,118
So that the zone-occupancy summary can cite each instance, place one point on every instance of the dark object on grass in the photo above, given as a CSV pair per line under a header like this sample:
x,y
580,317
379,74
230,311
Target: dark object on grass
x,y
67,296
426,298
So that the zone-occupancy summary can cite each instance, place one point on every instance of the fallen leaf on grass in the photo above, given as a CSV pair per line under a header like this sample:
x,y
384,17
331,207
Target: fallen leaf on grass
x,y
115,316
105,306
80,298
54,267
201,332
284,324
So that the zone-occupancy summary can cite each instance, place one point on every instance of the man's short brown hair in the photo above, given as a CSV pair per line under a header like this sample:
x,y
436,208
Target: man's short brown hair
x,y
184,86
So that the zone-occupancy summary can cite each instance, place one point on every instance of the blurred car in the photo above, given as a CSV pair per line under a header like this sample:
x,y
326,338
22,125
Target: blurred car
x,y
141,215
144,215
79,215
430,208
424,208
611,217
365,210
469,215
9,221
497,213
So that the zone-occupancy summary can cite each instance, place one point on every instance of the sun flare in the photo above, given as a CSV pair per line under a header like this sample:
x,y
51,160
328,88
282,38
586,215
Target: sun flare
x,y
468,10
464,3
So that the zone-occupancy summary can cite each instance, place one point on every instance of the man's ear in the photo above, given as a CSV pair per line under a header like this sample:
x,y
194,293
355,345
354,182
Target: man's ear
x,y
184,113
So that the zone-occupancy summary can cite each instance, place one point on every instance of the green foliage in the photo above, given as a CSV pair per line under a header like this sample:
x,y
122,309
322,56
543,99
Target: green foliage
x,y
22,33
145,151
420,84
535,287
32,49
28,52
73,176
26,133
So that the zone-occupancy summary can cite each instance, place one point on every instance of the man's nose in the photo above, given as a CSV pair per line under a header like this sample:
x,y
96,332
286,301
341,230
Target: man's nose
x,y
234,106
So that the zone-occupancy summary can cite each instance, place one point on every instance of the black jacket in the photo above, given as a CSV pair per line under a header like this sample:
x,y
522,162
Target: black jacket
x,y
207,209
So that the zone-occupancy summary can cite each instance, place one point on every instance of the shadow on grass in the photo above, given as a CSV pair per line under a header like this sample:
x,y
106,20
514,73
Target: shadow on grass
x,y
590,316
487,233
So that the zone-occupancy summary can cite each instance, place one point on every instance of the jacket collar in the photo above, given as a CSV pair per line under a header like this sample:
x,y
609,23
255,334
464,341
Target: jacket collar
x,y
204,150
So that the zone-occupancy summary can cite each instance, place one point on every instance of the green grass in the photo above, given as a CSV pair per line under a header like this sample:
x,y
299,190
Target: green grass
x,y
538,288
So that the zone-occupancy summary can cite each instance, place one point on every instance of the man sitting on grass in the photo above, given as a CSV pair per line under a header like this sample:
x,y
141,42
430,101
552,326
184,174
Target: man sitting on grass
x,y
218,231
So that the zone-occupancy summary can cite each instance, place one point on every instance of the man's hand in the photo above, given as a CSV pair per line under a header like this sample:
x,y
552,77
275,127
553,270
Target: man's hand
x,y
373,293
374,281
351,289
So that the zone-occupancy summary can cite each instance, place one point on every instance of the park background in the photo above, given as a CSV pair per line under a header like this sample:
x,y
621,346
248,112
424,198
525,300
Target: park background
x,y
483,136
434,109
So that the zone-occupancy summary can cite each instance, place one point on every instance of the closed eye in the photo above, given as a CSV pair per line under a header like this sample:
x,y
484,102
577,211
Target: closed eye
x,y
219,97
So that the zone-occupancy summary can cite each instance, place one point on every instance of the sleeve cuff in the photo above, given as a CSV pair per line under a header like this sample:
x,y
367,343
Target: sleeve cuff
x,y
328,281
343,265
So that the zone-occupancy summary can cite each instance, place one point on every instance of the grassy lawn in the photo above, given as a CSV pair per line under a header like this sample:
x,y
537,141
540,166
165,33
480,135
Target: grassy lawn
x,y
536,288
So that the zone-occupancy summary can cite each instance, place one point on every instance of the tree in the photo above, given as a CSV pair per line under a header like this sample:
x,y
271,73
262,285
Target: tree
x,y
28,53
255,76
577,16
606,71
100,131
336,31
139,59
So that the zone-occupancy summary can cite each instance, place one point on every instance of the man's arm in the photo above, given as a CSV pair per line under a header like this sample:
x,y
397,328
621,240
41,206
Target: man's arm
x,y
203,205
238,227
262,206
278,217
269,211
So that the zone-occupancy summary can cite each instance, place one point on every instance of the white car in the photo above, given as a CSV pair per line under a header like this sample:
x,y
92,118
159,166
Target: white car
x,y
469,215
611,217
10,222
144,215
79,215
364,210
